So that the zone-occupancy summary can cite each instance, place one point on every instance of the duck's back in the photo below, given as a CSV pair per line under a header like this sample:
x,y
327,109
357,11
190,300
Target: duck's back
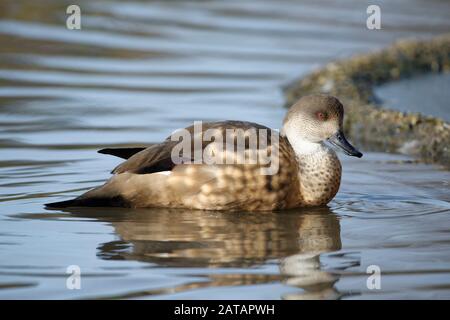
x,y
238,186
151,177
228,185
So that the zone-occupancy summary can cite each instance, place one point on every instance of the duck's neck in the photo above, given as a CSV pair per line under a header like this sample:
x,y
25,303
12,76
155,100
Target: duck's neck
x,y
319,171
304,147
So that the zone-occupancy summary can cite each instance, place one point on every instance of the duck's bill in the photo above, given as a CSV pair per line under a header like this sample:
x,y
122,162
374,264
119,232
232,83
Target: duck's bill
x,y
339,140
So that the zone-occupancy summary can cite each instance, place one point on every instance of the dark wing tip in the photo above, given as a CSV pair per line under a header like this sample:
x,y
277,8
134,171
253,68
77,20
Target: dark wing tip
x,y
106,151
124,153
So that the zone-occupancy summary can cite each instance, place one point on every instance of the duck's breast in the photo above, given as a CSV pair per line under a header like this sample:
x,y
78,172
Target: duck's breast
x,y
319,177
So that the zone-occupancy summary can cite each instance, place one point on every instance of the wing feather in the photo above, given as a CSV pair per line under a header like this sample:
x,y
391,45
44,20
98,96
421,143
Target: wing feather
x,y
124,153
157,158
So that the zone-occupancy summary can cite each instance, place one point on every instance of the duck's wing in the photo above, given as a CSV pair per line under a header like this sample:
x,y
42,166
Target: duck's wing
x,y
158,157
124,153
155,158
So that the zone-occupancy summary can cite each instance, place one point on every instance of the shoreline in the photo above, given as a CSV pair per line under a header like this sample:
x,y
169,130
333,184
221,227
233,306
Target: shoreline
x,y
377,127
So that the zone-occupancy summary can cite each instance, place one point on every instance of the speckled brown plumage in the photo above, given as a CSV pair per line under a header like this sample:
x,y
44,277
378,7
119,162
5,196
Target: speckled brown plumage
x,y
308,174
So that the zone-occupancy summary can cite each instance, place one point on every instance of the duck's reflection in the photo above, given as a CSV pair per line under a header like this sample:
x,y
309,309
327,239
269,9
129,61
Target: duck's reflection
x,y
183,238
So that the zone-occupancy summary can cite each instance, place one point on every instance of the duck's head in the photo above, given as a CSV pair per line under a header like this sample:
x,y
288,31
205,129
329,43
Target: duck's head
x,y
314,119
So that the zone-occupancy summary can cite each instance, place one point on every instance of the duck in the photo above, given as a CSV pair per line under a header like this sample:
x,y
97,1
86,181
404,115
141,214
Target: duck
x,y
307,170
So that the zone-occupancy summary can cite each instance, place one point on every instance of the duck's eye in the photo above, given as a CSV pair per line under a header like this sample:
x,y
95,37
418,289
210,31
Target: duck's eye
x,y
322,116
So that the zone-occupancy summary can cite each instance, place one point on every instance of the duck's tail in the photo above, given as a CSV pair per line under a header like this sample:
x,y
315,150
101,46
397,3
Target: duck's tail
x,y
86,201
64,204
111,194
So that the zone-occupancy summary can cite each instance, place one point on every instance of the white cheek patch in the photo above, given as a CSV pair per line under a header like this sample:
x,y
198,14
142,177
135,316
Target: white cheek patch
x,y
165,173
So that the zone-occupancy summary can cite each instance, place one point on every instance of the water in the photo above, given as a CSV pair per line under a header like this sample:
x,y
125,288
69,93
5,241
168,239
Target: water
x,y
427,94
138,70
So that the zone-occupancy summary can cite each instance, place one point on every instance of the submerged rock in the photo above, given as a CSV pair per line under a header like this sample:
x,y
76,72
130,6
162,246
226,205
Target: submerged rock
x,y
368,123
